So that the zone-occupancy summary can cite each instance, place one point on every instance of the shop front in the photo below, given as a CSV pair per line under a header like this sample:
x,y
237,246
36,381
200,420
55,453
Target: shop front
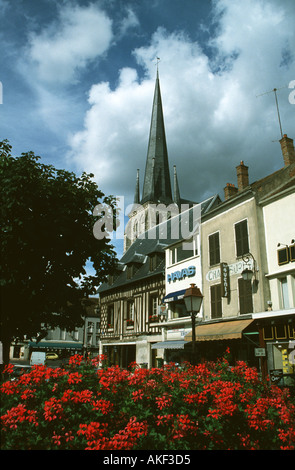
x,y
214,338
63,349
277,333
176,351
120,354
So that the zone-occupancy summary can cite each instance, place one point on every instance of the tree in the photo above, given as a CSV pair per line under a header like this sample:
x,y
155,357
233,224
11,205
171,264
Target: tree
x,y
46,219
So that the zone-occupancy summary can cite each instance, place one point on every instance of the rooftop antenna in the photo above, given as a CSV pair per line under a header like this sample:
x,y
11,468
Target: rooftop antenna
x,y
277,104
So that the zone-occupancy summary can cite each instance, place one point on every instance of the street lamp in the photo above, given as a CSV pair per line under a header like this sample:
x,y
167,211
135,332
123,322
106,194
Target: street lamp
x,y
193,298
248,273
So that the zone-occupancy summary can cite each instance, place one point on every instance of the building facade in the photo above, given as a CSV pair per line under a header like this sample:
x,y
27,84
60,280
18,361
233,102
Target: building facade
x,y
247,251
239,252
133,313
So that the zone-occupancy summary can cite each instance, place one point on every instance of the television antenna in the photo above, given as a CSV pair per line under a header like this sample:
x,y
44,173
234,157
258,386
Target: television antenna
x,y
277,104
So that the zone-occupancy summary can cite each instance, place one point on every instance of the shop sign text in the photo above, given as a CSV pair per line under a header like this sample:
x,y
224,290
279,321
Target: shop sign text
x,y
182,274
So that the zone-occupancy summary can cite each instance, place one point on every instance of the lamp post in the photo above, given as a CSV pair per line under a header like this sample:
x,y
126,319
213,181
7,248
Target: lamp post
x,y
193,298
248,273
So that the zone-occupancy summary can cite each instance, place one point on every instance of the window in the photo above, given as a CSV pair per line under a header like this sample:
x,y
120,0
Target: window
x,y
242,241
214,249
285,293
154,260
154,305
216,303
153,310
178,310
283,256
183,251
110,316
63,334
131,270
130,310
135,229
245,296
76,335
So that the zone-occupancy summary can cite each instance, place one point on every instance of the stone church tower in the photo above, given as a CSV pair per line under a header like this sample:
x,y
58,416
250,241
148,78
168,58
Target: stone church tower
x,y
157,202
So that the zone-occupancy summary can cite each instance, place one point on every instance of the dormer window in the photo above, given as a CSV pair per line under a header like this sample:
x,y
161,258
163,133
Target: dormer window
x,y
131,270
155,259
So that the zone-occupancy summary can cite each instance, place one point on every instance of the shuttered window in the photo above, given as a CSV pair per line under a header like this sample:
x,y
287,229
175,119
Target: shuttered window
x,y
283,256
242,240
216,304
214,249
245,296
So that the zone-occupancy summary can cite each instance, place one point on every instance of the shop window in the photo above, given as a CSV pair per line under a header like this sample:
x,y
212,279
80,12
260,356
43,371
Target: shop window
x,y
242,239
178,310
281,332
268,333
216,301
214,249
245,296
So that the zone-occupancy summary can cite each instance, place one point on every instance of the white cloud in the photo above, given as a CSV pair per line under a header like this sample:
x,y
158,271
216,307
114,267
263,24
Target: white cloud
x,y
212,115
81,34
129,21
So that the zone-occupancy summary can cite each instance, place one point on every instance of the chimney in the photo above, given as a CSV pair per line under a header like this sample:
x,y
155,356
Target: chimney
x,y
230,190
287,147
242,176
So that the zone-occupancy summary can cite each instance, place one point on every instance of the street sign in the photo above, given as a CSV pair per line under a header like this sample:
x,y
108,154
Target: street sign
x,y
276,375
224,271
260,352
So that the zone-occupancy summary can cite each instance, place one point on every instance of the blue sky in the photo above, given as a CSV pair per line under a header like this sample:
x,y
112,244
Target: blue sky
x,y
78,79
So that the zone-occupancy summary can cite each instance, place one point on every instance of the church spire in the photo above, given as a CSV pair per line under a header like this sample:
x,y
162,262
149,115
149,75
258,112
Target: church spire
x,y
137,191
157,185
176,193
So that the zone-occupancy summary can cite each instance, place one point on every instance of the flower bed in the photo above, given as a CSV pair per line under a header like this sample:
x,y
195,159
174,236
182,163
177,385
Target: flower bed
x,y
208,406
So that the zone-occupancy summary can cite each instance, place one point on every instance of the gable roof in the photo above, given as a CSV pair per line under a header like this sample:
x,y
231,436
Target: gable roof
x,y
156,240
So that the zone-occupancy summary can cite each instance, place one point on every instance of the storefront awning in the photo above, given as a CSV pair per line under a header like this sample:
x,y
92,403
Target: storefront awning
x,y
55,345
173,296
220,331
169,345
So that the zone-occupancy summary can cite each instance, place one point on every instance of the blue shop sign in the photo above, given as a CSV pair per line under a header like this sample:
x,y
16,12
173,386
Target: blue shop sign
x,y
178,275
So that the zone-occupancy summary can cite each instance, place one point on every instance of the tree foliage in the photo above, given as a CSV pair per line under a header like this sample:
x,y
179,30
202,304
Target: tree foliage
x,y
46,219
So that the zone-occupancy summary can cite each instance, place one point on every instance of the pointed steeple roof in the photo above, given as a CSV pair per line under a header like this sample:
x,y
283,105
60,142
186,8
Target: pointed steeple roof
x,y
137,191
157,184
176,193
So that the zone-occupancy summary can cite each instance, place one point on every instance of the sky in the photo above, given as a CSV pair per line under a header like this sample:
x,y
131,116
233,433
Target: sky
x,y
77,81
